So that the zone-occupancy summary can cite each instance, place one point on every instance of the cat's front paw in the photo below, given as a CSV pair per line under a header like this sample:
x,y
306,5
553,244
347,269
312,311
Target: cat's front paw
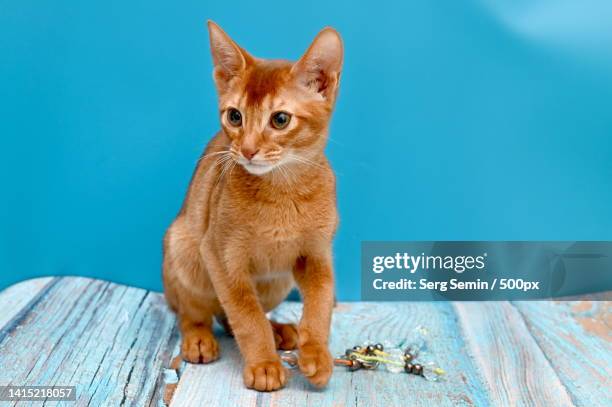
x,y
265,376
316,363
199,346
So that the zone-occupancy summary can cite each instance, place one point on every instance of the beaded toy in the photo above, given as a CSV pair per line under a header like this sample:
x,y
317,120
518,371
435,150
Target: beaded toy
x,y
371,355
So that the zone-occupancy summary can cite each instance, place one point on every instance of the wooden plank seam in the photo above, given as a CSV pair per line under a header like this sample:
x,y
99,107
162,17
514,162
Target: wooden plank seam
x,y
546,358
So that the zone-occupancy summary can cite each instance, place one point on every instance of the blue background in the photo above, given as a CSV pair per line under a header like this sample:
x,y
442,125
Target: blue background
x,y
456,120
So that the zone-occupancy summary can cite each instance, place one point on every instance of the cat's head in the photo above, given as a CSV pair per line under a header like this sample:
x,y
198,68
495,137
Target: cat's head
x,y
275,112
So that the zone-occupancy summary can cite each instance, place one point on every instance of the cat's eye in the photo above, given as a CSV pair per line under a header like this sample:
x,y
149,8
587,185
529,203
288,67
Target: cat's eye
x,y
280,120
234,117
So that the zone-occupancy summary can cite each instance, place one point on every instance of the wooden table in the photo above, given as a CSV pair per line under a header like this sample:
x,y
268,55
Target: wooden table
x,y
117,345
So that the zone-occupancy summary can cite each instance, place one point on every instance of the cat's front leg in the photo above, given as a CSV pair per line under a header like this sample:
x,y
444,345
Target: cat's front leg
x,y
314,276
263,369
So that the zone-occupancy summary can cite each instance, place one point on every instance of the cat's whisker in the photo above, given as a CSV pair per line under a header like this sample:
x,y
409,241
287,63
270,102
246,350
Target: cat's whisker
x,y
225,161
298,158
232,169
334,141
222,164
284,174
289,172
211,154
273,174
304,160
226,165
277,169
221,157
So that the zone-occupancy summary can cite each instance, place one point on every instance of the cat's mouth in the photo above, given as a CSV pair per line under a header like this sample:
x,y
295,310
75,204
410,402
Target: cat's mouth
x,y
256,167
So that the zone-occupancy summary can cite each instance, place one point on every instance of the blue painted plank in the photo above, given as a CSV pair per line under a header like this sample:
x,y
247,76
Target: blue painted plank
x,y
576,337
516,371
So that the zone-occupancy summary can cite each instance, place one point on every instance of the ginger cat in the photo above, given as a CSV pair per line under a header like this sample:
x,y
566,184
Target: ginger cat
x,y
260,214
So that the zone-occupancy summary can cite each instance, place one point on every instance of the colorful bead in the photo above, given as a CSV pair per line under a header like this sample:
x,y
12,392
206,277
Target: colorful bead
x,y
355,365
417,369
431,371
290,359
395,355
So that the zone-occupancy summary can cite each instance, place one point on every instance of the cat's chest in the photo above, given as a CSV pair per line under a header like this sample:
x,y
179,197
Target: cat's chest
x,y
277,225
284,220
275,248
278,234
276,238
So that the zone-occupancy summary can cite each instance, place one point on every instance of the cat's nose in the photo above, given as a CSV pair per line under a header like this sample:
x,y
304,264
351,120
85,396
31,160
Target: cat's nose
x,y
249,152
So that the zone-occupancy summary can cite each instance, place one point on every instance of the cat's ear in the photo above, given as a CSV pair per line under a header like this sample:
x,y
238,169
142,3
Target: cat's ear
x,y
228,58
319,68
